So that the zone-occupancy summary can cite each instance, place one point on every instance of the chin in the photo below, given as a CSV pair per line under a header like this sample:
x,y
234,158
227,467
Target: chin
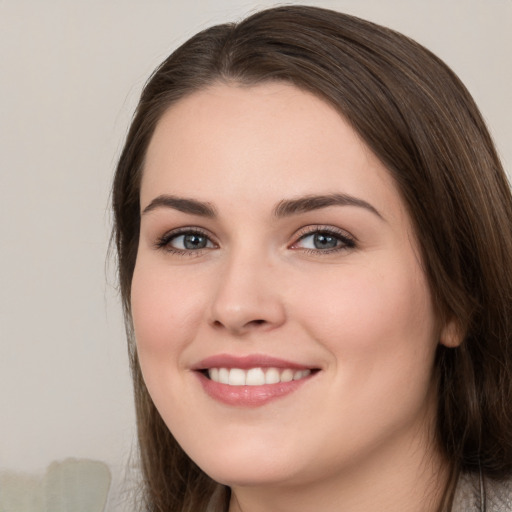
x,y
250,477
249,470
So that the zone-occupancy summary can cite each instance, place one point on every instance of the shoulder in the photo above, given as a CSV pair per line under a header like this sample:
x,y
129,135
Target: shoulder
x,y
482,494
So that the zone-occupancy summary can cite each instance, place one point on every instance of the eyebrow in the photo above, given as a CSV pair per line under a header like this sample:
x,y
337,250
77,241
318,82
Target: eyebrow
x,y
309,203
285,208
182,204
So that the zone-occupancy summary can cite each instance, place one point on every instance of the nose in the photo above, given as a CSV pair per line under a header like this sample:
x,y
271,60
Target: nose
x,y
248,297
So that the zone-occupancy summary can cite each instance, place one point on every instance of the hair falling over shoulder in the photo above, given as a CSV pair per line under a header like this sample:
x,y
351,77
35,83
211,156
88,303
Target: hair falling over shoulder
x,y
420,121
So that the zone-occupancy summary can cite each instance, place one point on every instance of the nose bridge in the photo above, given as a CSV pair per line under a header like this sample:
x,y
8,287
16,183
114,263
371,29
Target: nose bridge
x,y
247,295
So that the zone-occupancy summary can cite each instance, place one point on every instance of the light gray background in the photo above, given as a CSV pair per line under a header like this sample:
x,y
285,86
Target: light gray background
x,y
70,75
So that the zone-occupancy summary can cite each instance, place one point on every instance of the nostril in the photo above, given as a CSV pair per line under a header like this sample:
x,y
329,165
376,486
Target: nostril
x,y
218,323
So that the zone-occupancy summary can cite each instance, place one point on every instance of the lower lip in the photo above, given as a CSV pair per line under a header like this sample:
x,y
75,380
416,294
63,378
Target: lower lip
x,y
249,396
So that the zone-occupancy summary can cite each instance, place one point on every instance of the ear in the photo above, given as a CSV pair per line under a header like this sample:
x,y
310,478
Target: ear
x,y
451,334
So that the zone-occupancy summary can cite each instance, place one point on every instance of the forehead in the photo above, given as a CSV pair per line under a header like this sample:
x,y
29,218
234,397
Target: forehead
x,y
270,140
252,122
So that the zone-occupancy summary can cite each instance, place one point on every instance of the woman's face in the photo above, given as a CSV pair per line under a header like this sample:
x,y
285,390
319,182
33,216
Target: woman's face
x,y
284,325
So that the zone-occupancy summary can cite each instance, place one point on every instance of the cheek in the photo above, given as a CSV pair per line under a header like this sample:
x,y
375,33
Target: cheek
x,y
380,328
371,313
165,310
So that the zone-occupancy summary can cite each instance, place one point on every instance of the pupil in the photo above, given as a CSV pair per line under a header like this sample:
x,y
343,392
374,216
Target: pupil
x,y
194,242
323,241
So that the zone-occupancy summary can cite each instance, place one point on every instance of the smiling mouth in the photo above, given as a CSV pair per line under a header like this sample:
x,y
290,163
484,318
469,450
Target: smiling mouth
x,y
255,376
251,381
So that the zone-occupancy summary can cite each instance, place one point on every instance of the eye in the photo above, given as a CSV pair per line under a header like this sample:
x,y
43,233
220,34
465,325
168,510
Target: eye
x,y
185,241
316,239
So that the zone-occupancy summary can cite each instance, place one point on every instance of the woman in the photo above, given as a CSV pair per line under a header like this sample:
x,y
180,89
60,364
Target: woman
x,y
314,238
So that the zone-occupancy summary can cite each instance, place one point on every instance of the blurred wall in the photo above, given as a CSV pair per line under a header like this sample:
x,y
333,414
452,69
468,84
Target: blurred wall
x,y
70,75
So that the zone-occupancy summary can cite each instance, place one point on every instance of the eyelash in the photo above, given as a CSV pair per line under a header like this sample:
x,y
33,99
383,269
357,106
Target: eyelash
x,y
346,241
164,242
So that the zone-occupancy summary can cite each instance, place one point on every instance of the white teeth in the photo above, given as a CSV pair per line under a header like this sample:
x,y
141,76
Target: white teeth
x,y
287,376
272,376
255,376
223,376
300,374
236,377
214,374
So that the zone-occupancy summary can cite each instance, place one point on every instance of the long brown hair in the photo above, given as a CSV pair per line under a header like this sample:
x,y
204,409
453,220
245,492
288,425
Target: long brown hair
x,y
419,119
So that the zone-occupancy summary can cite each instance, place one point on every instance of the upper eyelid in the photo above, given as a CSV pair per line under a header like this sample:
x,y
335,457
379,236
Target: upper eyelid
x,y
187,229
321,228
165,239
348,241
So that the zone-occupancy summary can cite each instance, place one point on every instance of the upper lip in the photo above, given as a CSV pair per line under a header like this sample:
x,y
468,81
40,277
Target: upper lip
x,y
247,362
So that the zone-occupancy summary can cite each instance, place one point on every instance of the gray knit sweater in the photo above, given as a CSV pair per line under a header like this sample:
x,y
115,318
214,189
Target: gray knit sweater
x,y
480,494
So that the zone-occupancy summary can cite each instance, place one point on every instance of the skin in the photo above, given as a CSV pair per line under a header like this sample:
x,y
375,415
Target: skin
x,y
361,314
